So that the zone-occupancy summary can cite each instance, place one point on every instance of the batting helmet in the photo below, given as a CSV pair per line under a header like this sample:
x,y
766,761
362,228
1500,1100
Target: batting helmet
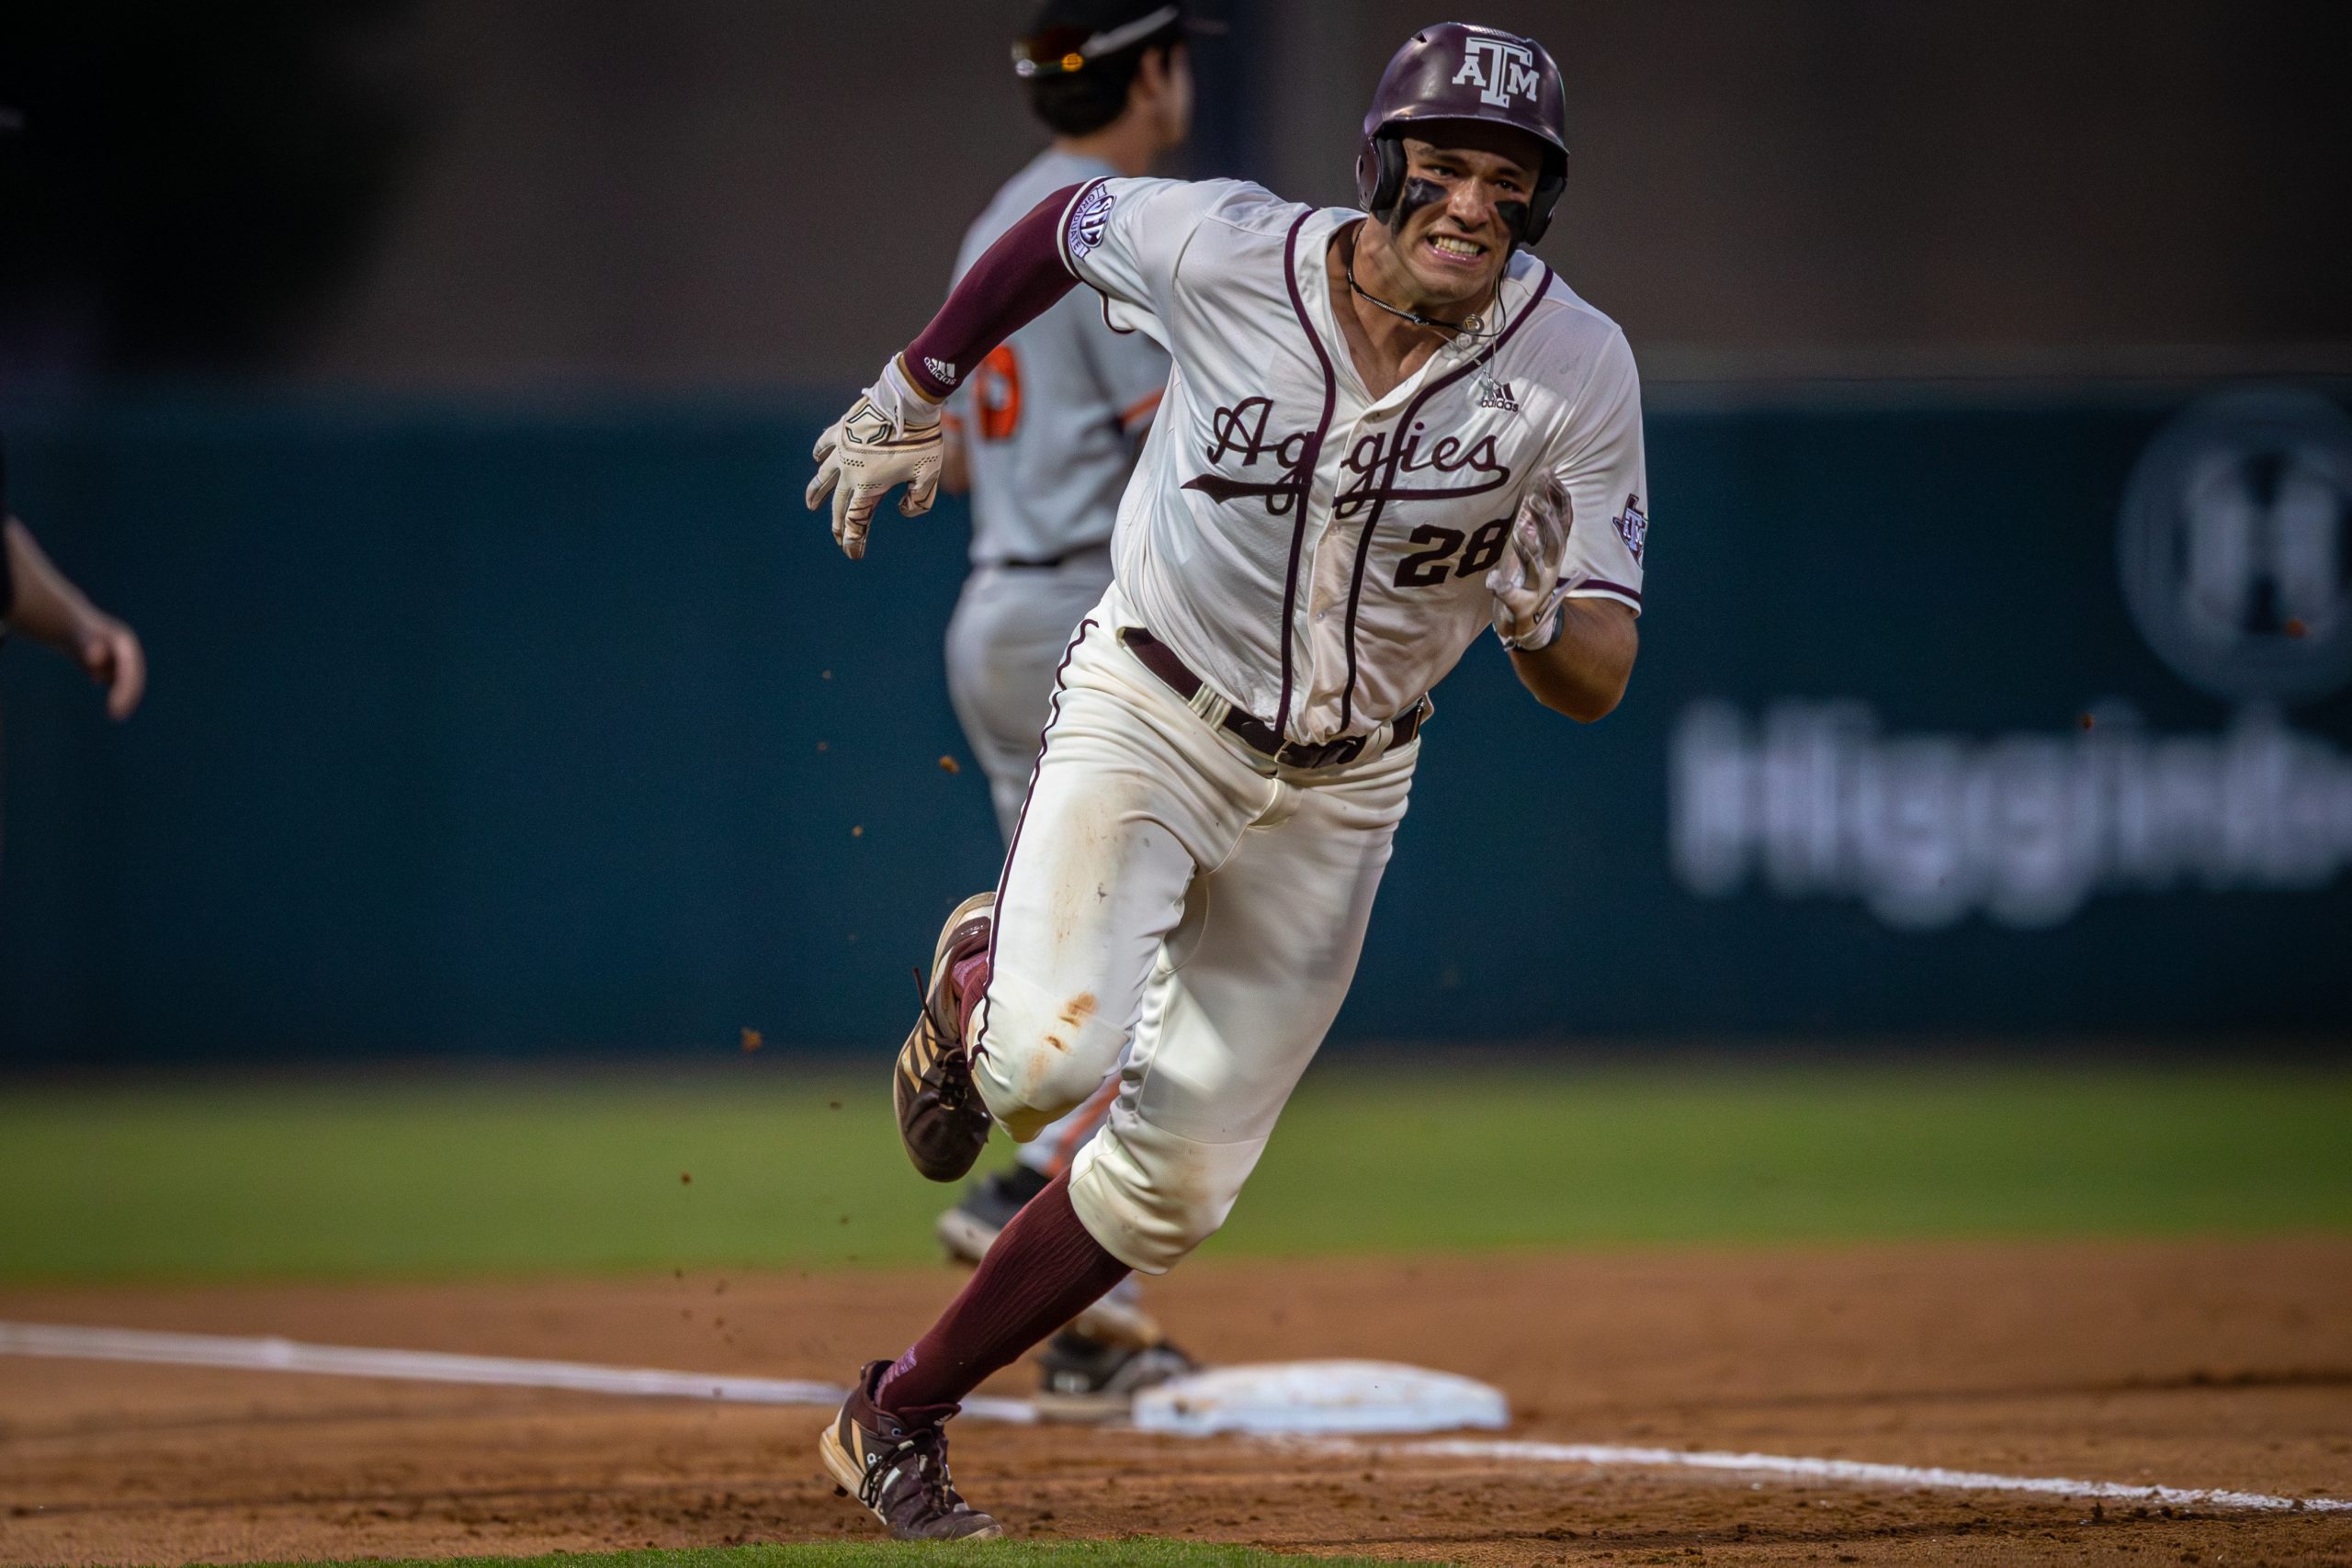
x,y
1457,70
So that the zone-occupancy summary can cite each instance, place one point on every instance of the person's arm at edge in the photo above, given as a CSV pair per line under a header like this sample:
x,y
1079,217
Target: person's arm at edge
x,y
51,609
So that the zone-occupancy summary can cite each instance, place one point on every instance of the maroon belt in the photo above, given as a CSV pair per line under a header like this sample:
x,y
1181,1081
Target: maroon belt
x,y
1256,733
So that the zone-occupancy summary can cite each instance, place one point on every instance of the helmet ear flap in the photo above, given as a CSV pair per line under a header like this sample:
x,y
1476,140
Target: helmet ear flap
x,y
1380,175
1539,207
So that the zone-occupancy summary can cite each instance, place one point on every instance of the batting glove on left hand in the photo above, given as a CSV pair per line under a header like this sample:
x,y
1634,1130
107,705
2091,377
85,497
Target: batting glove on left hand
x,y
1527,582
889,437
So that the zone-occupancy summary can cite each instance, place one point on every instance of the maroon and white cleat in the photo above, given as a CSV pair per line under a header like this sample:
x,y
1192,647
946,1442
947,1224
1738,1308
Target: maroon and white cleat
x,y
895,1463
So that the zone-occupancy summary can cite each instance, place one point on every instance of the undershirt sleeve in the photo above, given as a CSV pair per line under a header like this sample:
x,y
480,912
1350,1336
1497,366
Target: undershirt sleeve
x,y
1012,284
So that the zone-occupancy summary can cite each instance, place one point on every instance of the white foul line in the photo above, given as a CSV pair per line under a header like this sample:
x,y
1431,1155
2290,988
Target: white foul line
x,y
275,1355
1858,1471
271,1354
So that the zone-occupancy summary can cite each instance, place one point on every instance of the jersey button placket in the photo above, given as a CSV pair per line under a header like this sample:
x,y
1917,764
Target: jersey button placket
x,y
1323,488
1334,561
1332,635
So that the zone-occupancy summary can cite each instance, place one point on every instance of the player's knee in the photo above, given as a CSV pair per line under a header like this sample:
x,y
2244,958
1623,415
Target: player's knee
x,y
1150,1197
1040,1053
1042,1098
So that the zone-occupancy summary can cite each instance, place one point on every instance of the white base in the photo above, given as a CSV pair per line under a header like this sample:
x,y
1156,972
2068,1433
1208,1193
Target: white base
x,y
1315,1398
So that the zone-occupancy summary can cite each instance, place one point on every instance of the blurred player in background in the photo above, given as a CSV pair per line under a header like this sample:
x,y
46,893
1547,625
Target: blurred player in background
x,y
39,601
1044,436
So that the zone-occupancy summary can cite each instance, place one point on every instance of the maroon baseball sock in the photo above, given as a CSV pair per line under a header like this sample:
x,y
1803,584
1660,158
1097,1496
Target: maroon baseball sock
x,y
1041,1271
971,978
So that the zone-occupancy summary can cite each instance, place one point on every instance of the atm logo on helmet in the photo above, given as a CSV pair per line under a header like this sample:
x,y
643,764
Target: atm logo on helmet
x,y
1500,71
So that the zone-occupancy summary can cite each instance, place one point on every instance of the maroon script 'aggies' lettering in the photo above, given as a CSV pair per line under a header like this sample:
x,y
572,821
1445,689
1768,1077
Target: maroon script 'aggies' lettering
x,y
1375,463
1242,428
1378,465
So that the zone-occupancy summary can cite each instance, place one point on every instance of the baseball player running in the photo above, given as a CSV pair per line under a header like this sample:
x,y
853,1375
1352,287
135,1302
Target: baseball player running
x,y
1385,430
1044,432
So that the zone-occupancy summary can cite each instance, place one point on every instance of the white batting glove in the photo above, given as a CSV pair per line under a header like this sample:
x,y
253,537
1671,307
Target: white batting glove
x,y
1527,582
889,437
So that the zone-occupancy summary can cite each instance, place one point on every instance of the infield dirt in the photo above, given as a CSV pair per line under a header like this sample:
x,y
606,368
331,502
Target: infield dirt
x,y
2188,1364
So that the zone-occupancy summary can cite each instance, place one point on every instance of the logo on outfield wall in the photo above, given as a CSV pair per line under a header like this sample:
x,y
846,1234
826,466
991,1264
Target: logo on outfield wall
x,y
2233,545
1815,800
2237,568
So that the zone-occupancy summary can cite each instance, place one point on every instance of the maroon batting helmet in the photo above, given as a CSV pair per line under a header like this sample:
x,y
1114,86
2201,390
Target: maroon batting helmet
x,y
1459,71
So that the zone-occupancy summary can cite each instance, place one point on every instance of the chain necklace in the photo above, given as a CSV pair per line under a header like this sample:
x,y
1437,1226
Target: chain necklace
x,y
1473,327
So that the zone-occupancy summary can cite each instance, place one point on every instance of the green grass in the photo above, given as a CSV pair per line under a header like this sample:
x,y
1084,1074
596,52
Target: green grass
x,y
451,1177
1135,1552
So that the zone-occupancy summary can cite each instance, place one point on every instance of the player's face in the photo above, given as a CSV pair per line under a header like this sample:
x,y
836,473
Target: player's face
x,y
1455,246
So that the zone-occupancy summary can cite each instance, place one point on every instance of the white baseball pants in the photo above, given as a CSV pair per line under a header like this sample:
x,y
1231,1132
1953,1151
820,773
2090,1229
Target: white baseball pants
x,y
1004,643
1146,825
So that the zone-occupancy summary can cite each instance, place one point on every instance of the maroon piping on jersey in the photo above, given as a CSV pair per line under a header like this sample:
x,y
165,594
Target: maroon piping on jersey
x,y
1015,281
1380,505
1012,847
1308,460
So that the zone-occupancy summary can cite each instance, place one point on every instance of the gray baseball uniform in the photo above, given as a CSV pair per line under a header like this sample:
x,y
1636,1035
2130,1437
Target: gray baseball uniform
x,y
1049,421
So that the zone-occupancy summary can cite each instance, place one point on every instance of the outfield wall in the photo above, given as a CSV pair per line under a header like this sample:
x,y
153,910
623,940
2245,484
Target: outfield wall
x,y
528,731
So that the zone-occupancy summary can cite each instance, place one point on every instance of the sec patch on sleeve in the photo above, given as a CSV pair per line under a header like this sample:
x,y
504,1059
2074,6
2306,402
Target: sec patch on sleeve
x,y
1089,218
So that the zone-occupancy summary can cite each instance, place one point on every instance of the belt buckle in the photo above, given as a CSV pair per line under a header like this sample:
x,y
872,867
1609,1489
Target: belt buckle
x,y
1321,754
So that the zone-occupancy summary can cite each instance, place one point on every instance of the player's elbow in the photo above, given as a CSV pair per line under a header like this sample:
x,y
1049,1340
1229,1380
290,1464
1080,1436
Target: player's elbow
x,y
1586,695
1590,702
1609,648
1585,676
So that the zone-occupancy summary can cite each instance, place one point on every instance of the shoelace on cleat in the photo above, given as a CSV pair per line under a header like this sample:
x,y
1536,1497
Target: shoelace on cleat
x,y
930,1472
951,1088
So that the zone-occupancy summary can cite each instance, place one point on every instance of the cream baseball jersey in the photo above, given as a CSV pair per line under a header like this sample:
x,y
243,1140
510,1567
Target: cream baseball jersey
x,y
1315,554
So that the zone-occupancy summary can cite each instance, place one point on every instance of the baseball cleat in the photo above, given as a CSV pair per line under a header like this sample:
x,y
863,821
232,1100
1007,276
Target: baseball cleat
x,y
968,1229
897,1465
942,1119
1086,1380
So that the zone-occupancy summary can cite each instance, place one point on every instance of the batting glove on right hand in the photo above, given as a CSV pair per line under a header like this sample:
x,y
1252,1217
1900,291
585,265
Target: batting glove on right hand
x,y
1527,582
889,437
